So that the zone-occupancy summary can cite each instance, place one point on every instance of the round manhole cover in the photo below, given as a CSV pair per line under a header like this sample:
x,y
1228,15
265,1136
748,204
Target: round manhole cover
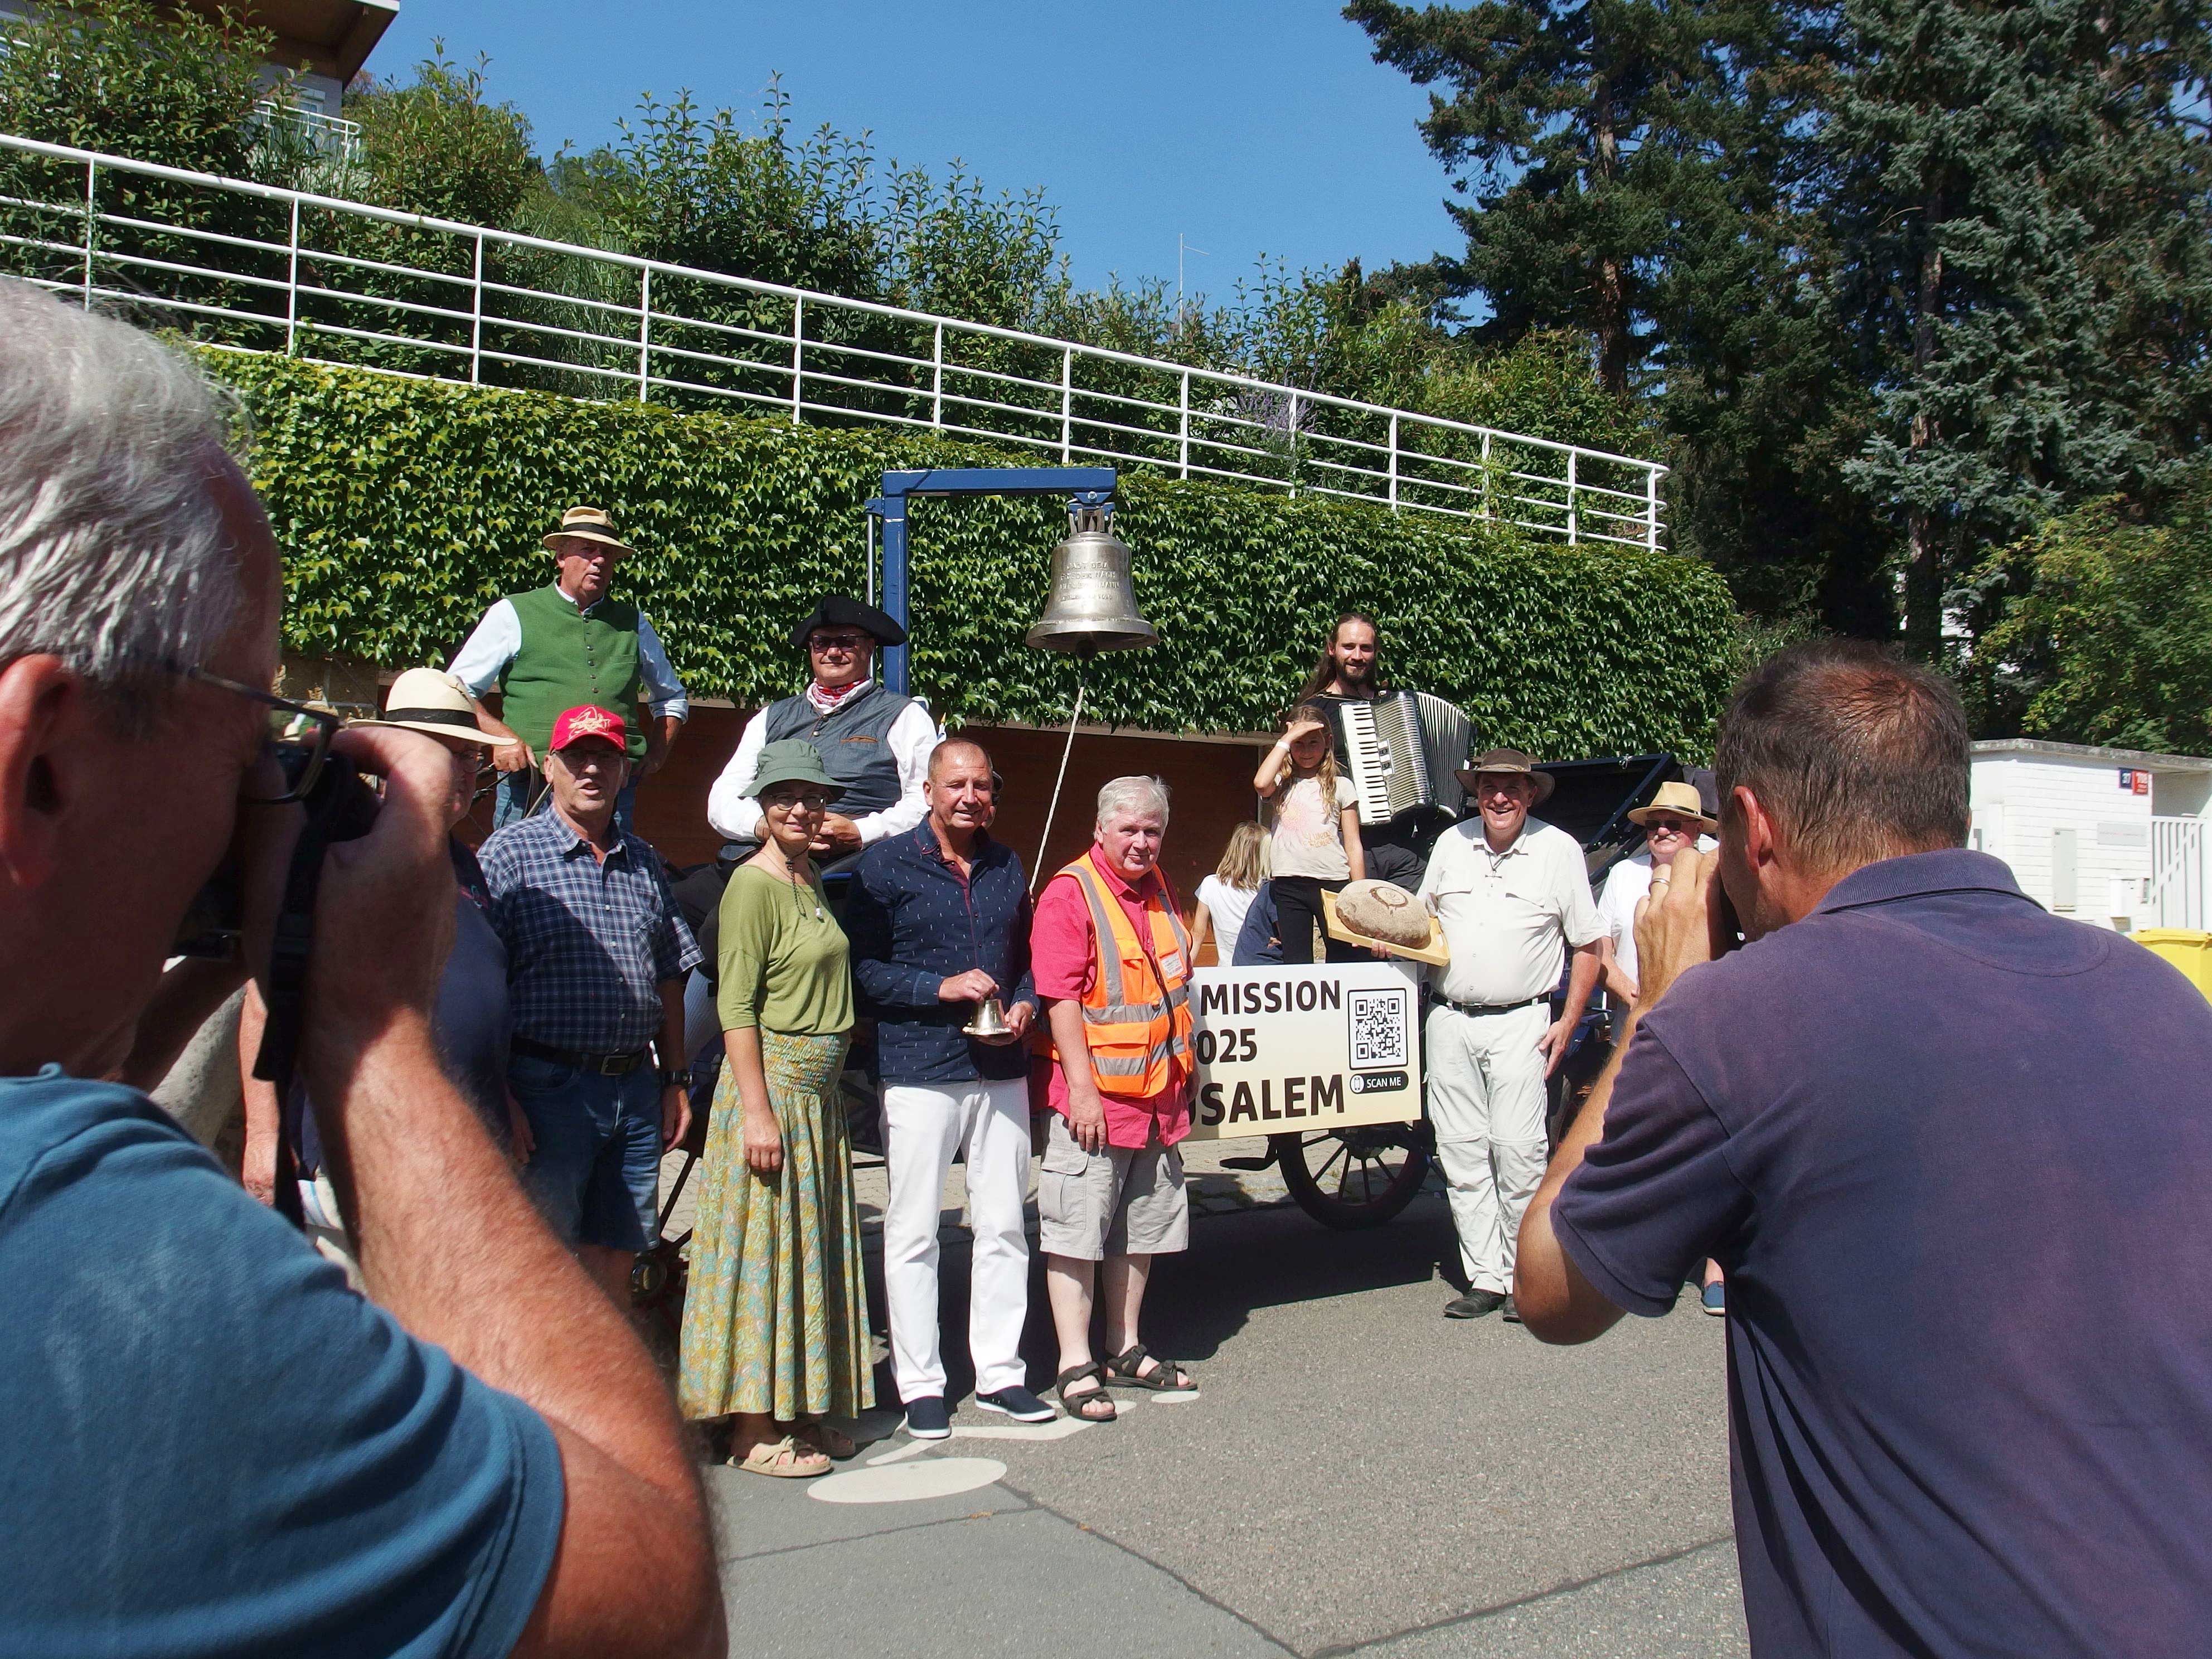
x,y
902,1483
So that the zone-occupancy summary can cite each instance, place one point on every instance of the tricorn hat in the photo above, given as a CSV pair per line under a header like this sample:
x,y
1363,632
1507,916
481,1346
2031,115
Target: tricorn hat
x,y
1507,760
588,524
424,700
1682,799
838,611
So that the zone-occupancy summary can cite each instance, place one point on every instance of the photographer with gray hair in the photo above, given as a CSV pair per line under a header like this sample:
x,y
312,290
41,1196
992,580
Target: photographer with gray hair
x,y
1111,964
480,1460
1951,1151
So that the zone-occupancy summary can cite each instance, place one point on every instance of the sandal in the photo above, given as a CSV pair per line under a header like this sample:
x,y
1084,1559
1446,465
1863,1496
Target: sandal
x,y
1083,1403
784,1459
830,1443
1127,1369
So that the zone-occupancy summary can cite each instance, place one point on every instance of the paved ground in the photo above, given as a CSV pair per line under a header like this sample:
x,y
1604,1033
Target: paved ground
x,y
1356,1474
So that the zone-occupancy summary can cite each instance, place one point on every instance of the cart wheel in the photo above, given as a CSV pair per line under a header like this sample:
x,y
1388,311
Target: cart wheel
x,y
1353,1178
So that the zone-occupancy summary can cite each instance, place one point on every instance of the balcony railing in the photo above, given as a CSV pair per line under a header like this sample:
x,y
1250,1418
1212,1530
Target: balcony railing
x,y
255,268
332,135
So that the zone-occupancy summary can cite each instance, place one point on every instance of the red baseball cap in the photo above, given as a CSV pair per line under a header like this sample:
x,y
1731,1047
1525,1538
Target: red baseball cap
x,y
588,722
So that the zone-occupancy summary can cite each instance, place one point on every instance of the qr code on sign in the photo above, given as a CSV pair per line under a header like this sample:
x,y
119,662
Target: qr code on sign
x,y
1381,1027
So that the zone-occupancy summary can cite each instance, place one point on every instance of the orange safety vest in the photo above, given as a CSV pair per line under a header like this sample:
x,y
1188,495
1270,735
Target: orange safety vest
x,y
1136,1014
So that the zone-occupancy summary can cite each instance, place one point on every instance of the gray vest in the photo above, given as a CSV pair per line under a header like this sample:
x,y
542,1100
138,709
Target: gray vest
x,y
851,739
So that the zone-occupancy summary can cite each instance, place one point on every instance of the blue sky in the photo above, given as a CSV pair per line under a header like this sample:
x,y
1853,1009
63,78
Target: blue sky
x,y
1250,126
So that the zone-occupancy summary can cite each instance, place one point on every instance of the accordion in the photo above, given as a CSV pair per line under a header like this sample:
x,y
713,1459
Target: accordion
x,y
1403,751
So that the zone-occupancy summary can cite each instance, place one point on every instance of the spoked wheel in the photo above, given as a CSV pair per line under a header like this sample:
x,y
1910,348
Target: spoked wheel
x,y
1353,1178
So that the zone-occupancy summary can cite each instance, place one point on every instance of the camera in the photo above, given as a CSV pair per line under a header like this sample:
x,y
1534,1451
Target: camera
x,y
341,804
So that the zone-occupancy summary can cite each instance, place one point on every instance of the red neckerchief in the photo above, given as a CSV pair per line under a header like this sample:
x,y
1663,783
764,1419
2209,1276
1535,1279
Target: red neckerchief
x,y
826,701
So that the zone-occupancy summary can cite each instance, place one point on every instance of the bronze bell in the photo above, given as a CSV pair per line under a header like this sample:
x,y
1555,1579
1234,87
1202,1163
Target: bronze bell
x,y
990,1019
1093,604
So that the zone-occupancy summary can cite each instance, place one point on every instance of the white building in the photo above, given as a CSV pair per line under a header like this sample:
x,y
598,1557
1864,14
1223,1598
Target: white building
x,y
321,44
2118,837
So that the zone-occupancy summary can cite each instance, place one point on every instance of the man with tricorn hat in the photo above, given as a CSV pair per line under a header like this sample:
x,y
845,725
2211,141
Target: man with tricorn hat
x,y
1513,894
875,742
568,645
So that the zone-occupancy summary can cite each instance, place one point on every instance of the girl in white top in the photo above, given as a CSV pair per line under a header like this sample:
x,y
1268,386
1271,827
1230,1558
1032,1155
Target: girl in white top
x,y
1316,845
1225,896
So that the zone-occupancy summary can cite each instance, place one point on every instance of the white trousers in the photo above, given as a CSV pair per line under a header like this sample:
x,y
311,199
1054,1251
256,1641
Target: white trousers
x,y
925,1125
1487,1102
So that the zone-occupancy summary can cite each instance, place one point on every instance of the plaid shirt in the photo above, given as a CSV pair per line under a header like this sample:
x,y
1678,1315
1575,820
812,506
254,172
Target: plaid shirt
x,y
588,943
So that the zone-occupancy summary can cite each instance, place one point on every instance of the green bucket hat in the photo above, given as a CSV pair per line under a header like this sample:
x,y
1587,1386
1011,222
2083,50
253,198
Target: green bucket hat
x,y
792,759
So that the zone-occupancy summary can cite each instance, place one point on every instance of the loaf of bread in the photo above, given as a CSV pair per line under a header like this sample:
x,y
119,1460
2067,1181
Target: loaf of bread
x,y
1382,911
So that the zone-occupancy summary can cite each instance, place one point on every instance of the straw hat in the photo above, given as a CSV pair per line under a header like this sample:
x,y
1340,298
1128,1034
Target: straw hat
x,y
1679,798
424,700
587,524
1507,760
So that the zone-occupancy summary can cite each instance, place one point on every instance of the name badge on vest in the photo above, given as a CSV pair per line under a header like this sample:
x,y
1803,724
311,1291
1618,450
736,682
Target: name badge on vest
x,y
1171,965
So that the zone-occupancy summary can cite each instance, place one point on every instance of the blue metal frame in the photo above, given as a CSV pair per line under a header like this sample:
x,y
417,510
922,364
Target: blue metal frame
x,y
1086,486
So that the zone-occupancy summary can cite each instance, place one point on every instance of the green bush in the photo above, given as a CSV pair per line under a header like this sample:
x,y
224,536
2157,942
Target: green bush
x,y
2105,625
403,508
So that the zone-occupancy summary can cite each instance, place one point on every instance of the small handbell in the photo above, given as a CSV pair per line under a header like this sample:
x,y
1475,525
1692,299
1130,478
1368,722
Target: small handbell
x,y
1092,606
990,1020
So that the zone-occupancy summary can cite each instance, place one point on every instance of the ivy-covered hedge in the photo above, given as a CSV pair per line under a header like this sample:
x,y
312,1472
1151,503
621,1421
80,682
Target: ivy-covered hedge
x,y
403,508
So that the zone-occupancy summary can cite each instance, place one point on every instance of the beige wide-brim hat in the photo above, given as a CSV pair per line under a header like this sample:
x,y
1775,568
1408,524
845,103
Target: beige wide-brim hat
x,y
1507,760
1679,798
587,524
424,700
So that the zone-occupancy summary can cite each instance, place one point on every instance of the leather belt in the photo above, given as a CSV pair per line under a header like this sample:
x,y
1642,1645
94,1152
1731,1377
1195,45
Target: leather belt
x,y
1495,1007
603,1065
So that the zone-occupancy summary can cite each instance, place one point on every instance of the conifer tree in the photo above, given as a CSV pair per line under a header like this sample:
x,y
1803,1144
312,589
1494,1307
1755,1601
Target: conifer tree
x,y
2016,193
1567,126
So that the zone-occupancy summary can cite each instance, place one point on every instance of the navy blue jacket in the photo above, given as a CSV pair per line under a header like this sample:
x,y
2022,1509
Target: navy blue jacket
x,y
913,923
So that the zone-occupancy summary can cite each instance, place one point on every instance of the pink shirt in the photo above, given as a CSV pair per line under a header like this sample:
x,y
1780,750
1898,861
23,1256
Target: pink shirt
x,y
1065,965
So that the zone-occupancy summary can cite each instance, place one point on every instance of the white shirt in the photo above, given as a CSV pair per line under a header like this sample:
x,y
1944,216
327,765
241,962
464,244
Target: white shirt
x,y
1625,884
735,815
1508,917
480,662
1228,906
1308,834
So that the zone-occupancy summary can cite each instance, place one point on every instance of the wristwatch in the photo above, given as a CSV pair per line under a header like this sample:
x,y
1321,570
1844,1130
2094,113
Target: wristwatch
x,y
675,1077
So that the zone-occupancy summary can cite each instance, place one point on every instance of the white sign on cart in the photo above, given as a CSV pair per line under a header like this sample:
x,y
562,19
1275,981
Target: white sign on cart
x,y
1303,1049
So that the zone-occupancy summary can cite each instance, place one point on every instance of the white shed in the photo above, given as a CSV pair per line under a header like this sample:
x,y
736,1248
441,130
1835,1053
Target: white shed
x,y
2118,837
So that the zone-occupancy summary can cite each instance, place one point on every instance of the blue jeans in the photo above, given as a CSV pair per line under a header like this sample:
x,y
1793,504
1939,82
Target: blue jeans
x,y
512,796
595,1171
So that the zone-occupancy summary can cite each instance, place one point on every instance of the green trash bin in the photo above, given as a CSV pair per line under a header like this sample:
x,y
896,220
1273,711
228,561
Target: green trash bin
x,y
2187,949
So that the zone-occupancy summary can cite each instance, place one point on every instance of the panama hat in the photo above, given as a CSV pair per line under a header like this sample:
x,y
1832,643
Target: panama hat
x,y
1679,798
792,760
1507,760
424,700
587,524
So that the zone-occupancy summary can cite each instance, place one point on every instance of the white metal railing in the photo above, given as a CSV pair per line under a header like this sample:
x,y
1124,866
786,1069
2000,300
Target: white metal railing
x,y
2178,870
257,268
333,134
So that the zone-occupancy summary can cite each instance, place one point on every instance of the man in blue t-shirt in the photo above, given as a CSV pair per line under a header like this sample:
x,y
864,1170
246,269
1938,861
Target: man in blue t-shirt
x,y
214,1447
1950,1152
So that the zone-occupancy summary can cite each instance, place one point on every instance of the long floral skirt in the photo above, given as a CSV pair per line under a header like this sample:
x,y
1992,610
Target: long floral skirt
x,y
776,1317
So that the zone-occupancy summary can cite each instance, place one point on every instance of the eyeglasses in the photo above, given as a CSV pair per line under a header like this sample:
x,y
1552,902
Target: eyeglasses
x,y
828,642
295,741
813,800
1667,827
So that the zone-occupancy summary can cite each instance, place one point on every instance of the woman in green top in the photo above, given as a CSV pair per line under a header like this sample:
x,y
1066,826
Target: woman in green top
x,y
775,1323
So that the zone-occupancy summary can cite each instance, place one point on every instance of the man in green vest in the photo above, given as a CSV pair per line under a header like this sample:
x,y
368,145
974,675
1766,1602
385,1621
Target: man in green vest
x,y
562,646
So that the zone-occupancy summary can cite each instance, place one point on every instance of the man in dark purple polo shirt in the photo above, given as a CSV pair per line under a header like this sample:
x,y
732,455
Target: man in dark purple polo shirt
x,y
1953,1154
